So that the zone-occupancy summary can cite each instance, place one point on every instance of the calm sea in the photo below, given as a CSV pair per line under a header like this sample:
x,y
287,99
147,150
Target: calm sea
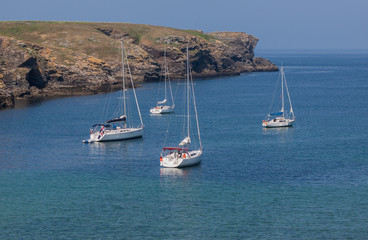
x,y
305,182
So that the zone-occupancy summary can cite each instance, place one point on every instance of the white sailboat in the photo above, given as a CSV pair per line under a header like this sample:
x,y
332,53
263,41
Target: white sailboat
x,y
161,106
117,128
183,155
281,119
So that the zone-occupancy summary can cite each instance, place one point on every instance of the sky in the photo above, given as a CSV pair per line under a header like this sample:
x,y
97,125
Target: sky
x,y
278,24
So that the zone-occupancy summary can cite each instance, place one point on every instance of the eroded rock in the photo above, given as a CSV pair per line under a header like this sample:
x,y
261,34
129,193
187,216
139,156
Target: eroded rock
x,y
55,69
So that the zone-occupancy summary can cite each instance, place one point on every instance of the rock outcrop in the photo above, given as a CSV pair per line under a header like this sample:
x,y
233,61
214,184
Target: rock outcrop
x,y
41,59
6,99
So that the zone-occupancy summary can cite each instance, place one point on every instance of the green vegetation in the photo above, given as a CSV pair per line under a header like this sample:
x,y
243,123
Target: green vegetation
x,y
14,29
135,31
201,34
64,37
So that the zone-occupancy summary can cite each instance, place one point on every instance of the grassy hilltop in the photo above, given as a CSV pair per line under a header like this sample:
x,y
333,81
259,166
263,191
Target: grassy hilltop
x,y
86,38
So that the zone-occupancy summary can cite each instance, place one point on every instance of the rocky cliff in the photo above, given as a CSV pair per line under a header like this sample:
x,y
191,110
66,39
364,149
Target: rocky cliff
x,y
40,59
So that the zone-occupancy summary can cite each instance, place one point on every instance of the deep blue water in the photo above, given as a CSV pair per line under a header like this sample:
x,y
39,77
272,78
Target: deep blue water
x,y
305,182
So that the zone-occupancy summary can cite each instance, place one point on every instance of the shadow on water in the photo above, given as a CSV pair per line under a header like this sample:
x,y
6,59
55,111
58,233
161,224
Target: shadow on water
x,y
29,102
20,103
35,101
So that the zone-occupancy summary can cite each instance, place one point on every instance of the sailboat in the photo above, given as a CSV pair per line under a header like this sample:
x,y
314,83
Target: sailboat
x,y
281,119
161,106
183,155
117,128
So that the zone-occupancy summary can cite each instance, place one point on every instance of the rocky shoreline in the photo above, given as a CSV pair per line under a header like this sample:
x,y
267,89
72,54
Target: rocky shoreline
x,y
59,63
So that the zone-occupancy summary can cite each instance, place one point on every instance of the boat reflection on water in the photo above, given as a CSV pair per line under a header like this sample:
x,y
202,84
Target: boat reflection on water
x,y
178,172
98,148
173,172
282,135
156,115
272,131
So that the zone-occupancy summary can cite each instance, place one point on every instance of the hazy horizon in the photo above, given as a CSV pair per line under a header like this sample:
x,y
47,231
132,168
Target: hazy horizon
x,y
279,25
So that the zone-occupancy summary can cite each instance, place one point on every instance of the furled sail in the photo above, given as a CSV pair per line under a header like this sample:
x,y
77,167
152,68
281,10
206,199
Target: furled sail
x,y
186,141
122,118
276,114
101,125
162,102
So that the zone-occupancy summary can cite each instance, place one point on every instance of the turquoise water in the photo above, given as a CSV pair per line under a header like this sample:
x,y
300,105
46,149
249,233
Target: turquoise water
x,y
305,182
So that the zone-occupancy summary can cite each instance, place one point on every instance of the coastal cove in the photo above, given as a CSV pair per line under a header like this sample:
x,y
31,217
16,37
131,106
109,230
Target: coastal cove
x,y
308,181
45,58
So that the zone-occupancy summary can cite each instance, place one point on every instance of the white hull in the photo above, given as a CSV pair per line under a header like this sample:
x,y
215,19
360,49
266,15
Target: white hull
x,y
162,109
174,160
275,123
115,135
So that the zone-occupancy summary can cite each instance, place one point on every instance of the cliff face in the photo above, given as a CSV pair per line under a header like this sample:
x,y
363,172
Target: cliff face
x,y
40,59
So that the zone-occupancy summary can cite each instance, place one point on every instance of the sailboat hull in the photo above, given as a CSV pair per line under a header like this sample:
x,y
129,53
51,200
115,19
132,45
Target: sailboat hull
x,y
162,110
115,135
175,160
275,123
277,119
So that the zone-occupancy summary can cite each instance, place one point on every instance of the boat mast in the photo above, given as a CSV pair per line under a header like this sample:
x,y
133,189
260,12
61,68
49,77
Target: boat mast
x,y
195,110
188,88
135,95
282,90
291,106
123,69
168,79
131,80
172,97
165,70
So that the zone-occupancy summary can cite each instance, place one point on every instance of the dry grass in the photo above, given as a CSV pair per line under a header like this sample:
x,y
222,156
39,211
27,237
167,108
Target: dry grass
x,y
84,36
